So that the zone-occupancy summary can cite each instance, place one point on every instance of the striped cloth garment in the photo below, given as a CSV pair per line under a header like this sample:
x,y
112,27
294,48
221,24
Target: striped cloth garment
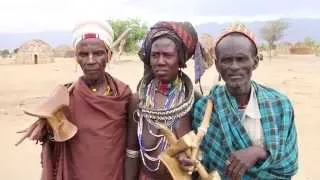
x,y
227,134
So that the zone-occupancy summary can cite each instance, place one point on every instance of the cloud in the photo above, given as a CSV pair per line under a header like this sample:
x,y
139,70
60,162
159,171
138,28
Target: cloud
x,y
40,15
258,8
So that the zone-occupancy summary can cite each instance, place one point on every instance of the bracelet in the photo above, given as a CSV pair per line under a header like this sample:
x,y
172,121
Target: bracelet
x,y
132,153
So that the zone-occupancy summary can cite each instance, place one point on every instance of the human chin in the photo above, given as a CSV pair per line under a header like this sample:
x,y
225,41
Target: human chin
x,y
162,77
92,76
235,83
238,87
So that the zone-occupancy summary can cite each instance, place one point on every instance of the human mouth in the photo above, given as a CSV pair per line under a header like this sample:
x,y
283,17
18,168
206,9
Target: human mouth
x,y
161,72
235,77
91,70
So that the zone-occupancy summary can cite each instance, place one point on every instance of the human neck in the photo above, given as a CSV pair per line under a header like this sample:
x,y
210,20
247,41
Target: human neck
x,y
97,83
242,100
166,86
242,95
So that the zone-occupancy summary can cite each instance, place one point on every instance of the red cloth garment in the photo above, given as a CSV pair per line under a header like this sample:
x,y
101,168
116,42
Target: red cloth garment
x,y
97,151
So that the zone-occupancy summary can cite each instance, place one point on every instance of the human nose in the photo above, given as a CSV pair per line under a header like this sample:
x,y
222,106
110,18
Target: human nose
x,y
161,60
234,65
91,59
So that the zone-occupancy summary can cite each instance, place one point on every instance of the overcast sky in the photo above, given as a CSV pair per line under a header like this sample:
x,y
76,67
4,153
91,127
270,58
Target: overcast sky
x,y
45,15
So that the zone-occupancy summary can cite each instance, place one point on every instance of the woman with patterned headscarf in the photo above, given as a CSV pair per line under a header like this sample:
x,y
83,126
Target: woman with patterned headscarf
x,y
164,95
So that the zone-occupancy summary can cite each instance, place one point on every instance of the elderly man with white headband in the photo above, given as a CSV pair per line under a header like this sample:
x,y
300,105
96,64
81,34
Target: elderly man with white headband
x,y
98,108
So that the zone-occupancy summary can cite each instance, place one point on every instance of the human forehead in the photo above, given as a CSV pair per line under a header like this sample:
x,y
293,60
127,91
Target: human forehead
x,y
234,44
91,44
163,42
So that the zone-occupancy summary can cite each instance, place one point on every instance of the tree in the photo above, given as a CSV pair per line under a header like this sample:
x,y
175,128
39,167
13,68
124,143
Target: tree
x,y
5,53
137,32
309,42
273,31
262,47
317,49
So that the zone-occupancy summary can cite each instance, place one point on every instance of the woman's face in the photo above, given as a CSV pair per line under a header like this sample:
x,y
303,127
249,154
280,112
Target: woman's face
x,y
164,60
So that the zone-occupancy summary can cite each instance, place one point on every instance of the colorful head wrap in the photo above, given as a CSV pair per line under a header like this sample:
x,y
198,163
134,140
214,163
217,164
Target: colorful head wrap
x,y
93,29
237,28
182,33
186,39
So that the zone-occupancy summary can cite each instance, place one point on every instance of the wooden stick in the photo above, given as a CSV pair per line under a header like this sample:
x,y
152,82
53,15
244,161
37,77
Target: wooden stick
x,y
203,128
172,139
190,141
201,133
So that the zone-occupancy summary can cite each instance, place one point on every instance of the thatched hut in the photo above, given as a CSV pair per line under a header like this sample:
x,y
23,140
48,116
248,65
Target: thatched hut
x,y
34,52
300,48
64,51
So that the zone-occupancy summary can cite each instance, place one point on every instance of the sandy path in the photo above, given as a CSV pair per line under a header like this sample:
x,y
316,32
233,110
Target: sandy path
x,y
24,85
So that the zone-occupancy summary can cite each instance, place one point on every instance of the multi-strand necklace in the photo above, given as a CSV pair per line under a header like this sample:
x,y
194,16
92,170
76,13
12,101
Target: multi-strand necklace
x,y
175,94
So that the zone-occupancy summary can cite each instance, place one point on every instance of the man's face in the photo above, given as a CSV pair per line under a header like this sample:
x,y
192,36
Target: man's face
x,y
164,59
92,56
235,62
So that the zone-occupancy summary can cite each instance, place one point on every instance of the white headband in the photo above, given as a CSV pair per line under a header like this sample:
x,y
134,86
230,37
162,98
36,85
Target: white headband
x,y
93,29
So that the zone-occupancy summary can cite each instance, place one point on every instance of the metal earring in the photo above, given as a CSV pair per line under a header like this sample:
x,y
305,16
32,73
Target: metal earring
x,y
180,72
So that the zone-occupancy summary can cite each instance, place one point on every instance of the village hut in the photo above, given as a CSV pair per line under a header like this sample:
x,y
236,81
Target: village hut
x,y
300,48
35,51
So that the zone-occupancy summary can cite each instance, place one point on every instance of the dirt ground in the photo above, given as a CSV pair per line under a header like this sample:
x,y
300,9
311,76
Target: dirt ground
x,y
24,85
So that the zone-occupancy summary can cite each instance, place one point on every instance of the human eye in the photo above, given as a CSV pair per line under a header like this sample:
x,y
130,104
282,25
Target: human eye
x,y
154,55
226,60
83,54
240,58
99,53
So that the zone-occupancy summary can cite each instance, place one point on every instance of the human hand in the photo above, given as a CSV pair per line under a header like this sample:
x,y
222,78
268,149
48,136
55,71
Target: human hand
x,y
34,132
186,163
240,161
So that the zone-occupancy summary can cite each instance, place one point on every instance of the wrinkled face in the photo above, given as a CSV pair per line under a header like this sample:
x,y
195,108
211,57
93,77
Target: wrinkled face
x,y
235,62
92,56
164,59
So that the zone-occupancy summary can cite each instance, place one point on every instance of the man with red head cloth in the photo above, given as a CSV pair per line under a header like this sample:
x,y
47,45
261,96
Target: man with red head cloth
x,y
98,108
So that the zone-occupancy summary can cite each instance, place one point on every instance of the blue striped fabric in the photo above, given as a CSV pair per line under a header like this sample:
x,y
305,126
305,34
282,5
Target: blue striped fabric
x,y
226,133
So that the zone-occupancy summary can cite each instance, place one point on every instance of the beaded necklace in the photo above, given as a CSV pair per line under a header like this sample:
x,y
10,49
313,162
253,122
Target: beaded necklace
x,y
168,89
175,93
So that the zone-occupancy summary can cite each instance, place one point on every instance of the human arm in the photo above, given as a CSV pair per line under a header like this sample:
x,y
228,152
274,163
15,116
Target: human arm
x,y
281,146
132,150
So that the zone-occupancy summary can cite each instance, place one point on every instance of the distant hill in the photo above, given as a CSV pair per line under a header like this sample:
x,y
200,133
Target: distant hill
x,y
54,38
298,30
